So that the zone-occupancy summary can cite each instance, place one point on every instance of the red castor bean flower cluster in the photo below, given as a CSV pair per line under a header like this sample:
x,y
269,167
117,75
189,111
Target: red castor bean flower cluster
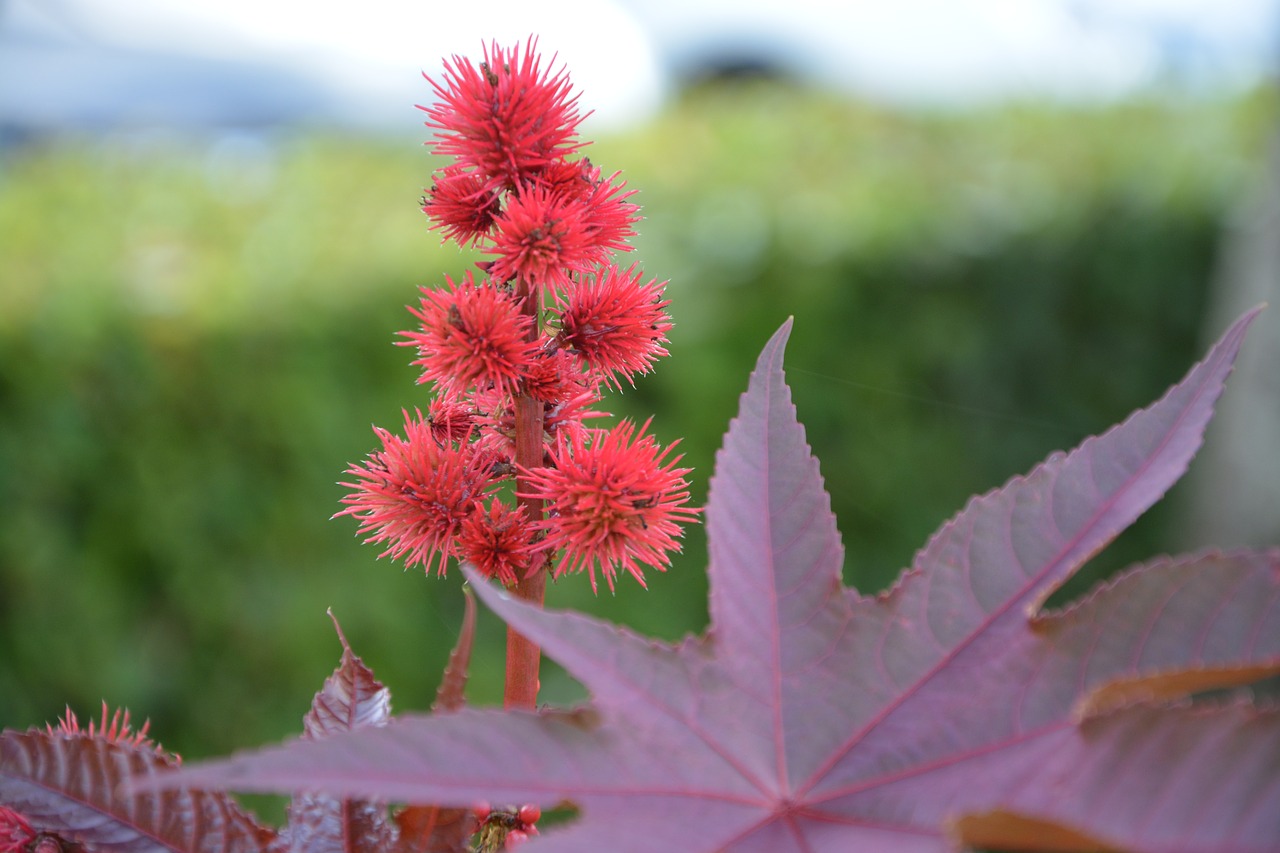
x,y
519,353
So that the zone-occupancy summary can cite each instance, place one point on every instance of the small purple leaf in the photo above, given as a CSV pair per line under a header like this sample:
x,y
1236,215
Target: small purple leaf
x,y
350,699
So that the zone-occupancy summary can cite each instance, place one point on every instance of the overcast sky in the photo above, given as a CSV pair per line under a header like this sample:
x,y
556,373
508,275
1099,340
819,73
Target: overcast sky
x,y
623,53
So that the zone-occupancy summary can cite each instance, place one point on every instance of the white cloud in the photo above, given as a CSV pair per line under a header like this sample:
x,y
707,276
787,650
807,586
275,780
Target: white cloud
x,y
370,55
373,53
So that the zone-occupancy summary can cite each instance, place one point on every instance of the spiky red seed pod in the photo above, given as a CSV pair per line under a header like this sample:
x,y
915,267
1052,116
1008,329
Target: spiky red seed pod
x,y
548,233
516,838
614,501
615,324
569,178
529,814
544,238
461,205
450,419
554,378
471,336
507,117
499,543
415,493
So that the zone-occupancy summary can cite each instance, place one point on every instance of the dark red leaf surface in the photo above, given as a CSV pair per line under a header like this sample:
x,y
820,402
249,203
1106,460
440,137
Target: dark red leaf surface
x,y
949,710
73,786
440,829
350,699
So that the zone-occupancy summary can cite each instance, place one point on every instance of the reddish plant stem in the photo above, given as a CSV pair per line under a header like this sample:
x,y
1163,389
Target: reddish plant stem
x,y
523,656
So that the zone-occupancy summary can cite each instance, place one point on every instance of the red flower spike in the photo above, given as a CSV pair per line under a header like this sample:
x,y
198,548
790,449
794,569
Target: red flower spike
x,y
616,324
461,205
416,493
508,117
15,832
614,500
499,543
548,223
543,238
473,335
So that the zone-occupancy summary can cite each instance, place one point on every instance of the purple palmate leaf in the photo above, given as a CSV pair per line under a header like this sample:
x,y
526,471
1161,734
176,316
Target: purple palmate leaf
x,y
809,718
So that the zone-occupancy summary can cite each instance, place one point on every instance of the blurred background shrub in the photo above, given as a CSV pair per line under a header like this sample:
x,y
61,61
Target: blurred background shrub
x,y
196,334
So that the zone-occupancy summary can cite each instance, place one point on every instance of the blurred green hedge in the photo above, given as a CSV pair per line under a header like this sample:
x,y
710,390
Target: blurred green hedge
x,y
196,336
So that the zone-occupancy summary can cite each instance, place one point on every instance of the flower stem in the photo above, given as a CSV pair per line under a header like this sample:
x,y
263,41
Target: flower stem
x,y
523,656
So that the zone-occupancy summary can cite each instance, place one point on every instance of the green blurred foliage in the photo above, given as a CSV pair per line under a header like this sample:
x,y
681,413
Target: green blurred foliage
x,y
195,338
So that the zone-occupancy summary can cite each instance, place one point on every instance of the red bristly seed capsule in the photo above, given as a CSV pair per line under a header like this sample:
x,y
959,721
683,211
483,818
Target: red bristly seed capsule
x,y
529,814
515,838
